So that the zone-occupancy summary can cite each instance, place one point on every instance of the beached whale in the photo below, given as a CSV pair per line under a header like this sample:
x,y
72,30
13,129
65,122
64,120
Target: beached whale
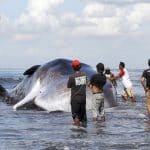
x,y
46,87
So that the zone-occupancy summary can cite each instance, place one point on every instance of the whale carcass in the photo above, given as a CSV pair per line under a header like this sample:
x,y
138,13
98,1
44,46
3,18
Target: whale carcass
x,y
46,87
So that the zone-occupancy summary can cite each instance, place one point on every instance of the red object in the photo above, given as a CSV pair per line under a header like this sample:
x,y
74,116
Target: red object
x,y
121,73
75,63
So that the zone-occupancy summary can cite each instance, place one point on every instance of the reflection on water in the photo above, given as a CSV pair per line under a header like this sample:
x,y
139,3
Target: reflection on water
x,y
126,127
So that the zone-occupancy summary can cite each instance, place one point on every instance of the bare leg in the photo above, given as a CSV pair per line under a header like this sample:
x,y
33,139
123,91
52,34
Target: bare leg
x,y
148,104
125,98
133,99
77,121
94,119
103,118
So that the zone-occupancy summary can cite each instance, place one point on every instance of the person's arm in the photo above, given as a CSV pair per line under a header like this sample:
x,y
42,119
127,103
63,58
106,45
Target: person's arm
x,y
115,78
121,74
89,83
114,82
143,81
143,84
70,82
90,86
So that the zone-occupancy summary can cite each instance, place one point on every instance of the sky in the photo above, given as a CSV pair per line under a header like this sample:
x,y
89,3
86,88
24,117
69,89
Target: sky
x,y
34,32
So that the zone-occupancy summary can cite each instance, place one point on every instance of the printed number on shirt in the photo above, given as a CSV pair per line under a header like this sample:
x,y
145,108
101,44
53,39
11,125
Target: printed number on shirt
x,y
80,80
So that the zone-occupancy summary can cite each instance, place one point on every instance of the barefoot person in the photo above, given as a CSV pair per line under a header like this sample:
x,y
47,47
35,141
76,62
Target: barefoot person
x,y
124,75
145,81
97,82
77,83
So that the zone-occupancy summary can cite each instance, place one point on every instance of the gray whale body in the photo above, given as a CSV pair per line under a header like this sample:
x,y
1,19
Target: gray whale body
x,y
45,86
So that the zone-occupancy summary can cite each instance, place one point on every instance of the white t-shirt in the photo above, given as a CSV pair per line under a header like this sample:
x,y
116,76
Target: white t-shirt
x,y
125,78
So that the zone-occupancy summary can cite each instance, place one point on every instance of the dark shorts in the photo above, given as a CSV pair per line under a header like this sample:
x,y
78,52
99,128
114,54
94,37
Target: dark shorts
x,y
79,110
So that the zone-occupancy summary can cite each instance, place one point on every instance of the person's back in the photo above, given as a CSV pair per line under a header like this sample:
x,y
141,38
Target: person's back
x,y
145,81
77,83
146,75
99,79
97,82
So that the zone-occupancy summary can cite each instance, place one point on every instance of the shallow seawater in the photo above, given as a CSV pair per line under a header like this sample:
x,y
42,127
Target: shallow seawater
x,y
126,126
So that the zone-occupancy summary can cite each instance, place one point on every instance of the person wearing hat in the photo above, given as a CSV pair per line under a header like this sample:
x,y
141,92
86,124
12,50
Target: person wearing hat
x,y
96,84
124,75
145,81
77,83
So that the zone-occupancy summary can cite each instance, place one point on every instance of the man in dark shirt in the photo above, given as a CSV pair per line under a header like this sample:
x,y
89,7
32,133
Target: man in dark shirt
x,y
77,83
145,81
97,82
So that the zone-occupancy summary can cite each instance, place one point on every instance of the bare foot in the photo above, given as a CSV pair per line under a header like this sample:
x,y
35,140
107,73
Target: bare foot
x,y
133,99
124,98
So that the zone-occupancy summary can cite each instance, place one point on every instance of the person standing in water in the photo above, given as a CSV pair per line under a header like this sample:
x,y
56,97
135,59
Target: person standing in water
x,y
145,81
124,75
110,75
77,83
96,84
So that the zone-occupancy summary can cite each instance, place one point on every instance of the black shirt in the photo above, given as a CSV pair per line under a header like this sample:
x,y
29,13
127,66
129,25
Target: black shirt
x,y
77,83
98,80
146,75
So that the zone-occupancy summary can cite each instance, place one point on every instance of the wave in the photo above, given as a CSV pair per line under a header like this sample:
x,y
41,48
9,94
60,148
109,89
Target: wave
x,y
10,79
10,82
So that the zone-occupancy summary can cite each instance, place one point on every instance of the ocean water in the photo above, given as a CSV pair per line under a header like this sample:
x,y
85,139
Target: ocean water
x,y
126,127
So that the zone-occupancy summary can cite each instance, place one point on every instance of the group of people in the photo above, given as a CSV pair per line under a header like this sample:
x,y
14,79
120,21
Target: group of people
x,y
78,82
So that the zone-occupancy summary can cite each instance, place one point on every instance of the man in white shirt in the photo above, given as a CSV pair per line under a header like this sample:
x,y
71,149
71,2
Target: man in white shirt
x,y
124,75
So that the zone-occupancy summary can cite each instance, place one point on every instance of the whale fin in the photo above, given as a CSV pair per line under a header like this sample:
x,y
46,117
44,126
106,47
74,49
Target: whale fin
x,y
31,70
31,96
